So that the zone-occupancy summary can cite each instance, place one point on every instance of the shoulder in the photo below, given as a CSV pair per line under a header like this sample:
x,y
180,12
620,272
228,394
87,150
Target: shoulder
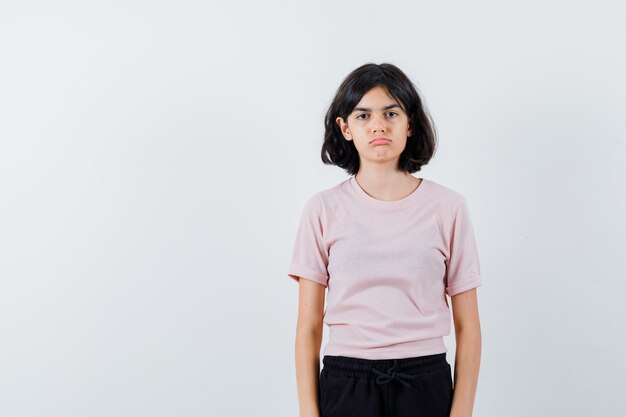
x,y
327,198
451,207
320,202
446,196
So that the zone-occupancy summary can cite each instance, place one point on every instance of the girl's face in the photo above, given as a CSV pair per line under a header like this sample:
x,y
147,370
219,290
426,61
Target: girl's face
x,y
377,116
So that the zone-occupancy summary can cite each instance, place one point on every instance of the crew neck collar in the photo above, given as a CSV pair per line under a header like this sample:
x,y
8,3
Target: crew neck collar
x,y
391,204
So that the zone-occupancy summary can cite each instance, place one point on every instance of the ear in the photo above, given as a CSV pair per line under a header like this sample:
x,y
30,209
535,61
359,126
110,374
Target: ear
x,y
409,132
345,130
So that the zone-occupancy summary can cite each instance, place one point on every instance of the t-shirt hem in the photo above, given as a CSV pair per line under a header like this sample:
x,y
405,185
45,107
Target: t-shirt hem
x,y
466,286
435,346
297,271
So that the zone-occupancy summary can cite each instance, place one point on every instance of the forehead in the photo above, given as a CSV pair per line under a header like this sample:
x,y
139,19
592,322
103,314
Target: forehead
x,y
376,94
377,99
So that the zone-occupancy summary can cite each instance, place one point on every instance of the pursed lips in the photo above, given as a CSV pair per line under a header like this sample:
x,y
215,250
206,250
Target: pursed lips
x,y
380,140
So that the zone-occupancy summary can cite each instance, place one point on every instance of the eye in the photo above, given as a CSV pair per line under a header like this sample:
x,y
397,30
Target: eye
x,y
392,112
359,116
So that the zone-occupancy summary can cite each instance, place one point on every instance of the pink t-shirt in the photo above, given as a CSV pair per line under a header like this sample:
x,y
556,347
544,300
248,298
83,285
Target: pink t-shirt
x,y
387,266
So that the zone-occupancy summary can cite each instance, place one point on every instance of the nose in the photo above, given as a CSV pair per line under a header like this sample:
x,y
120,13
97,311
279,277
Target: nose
x,y
379,124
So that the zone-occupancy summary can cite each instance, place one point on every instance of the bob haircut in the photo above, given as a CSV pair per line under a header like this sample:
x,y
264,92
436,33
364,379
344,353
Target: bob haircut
x,y
420,147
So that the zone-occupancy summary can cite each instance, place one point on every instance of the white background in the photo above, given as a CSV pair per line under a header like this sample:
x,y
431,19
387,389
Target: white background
x,y
155,157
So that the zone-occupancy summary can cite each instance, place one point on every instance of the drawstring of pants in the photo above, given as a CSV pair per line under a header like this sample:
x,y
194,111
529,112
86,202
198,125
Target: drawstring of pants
x,y
384,377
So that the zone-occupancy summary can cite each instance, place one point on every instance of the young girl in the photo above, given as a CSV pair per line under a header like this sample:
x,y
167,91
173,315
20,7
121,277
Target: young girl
x,y
388,247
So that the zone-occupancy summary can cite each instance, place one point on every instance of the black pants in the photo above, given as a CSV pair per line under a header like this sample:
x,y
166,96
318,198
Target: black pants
x,y
408,387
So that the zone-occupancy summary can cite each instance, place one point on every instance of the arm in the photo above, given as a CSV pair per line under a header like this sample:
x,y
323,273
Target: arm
x,y
468,349
308,342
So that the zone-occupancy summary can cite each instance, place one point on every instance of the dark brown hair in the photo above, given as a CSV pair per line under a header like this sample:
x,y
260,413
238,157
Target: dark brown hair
x,y
420,147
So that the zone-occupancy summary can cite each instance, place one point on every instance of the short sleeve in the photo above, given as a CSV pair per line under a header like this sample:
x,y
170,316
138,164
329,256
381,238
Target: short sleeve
x,y
463,264
309,258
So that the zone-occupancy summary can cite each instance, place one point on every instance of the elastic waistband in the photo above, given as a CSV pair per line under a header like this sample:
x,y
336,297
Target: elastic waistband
x,y
371,368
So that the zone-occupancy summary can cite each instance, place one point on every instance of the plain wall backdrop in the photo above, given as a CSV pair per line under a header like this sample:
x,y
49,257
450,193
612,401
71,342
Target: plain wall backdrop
x,y
155,158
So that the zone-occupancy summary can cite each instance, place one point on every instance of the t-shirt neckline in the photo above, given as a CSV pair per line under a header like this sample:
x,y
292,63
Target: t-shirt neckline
x,y
391,204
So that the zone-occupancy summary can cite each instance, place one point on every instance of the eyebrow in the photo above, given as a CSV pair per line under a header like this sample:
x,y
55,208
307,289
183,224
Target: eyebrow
x,y
387,107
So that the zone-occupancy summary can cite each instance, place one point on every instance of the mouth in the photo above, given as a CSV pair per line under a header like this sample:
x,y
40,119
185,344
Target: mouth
x,y
380,141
